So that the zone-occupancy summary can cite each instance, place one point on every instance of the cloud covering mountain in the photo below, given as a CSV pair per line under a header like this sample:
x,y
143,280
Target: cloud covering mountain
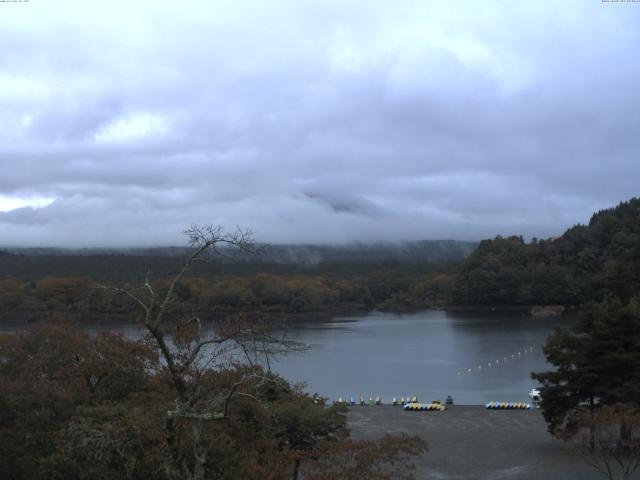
x,y
124,122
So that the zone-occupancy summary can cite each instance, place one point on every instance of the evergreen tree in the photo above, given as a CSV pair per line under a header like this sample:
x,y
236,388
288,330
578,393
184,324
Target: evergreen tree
x,y
597,363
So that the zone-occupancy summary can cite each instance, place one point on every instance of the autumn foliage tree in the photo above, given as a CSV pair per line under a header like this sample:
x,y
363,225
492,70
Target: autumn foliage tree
x,y
609,440
50,376
183,403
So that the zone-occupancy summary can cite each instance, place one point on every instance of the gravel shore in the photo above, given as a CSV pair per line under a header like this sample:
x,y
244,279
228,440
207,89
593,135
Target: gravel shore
x,y
470,442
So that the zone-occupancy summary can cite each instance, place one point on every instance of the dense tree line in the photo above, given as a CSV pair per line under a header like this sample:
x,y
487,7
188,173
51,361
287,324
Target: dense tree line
x,y
330,288
57,279
587,263
264,293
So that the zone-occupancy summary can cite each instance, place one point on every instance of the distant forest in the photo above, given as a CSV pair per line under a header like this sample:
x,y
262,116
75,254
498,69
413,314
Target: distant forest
x,y
587,263
277,279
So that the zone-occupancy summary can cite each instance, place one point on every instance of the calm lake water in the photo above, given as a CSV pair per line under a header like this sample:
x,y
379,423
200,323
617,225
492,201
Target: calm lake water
x,y
473,357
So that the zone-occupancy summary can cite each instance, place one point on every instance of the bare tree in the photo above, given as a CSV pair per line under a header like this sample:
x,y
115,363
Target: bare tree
x,y
609,440
189,355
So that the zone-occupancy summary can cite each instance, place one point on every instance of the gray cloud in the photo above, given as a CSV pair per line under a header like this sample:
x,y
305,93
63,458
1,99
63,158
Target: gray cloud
x,y
314,121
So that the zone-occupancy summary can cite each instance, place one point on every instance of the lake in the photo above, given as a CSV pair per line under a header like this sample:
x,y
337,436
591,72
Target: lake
x,y
474,357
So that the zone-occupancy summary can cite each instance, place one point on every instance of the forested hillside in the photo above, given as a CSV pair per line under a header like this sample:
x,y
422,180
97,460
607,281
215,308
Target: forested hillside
x,y
51,283
276,279
587,263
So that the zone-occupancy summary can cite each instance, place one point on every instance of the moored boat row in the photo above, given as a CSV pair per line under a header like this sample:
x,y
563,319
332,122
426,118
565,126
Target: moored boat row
x,y
433,406
508,406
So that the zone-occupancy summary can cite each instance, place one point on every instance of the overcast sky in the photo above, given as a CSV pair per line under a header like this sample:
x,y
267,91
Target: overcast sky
x,y
122,123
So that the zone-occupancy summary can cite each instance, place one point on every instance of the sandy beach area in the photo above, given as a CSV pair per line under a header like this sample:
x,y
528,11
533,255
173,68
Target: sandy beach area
x,y
470,442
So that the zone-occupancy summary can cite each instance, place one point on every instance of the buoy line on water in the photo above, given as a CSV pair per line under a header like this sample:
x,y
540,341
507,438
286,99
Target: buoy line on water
x,y
497,362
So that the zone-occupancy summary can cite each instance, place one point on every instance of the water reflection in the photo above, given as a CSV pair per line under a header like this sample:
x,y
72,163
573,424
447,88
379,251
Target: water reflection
x,y
475,357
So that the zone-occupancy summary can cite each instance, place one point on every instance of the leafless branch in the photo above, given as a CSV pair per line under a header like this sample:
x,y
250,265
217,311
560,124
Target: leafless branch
x,y
127,293
196,351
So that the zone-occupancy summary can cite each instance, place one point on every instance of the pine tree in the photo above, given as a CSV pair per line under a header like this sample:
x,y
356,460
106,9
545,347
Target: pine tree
x,y
597,362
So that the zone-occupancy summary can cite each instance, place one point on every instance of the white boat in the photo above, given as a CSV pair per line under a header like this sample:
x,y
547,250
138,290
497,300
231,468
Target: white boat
x,y
534,395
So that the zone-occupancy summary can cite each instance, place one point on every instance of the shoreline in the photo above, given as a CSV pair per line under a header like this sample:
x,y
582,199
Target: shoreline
x,y
23,318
